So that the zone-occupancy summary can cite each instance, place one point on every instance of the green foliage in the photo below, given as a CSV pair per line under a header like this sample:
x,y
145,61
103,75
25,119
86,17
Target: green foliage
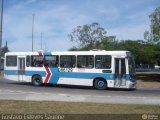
x,y
144,53
4,50
87,34
73,49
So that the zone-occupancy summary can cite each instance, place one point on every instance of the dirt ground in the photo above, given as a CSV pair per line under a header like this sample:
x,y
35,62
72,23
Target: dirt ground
x,y
1,75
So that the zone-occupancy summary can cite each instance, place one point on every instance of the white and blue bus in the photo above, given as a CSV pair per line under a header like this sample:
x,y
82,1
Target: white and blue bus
x,y
100,69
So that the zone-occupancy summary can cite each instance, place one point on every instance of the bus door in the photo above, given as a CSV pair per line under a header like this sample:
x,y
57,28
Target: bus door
x,y
21,68
120,72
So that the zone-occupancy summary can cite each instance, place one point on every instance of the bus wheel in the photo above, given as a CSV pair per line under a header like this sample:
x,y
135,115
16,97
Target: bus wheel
x,y
100,84
37,80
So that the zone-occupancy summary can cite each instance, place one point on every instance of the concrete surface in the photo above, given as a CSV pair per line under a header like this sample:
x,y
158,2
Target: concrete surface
x,y
10,90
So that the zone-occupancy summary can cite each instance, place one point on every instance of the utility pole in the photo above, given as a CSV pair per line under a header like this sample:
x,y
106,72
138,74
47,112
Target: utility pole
x,y
41,41
45,46
33,15
1,19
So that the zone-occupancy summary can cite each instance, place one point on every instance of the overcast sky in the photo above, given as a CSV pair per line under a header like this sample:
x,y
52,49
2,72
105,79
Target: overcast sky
x,y
127,19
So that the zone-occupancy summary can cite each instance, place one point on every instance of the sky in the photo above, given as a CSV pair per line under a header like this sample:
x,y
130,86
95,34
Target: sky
x,y
55,19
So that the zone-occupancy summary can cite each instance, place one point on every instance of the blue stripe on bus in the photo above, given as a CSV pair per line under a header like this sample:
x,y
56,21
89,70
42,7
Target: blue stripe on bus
x,y
47,53
27,73
11,72
31,73
82,75
56,75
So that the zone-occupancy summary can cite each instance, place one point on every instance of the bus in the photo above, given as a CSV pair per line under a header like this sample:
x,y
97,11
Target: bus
x,y
100,69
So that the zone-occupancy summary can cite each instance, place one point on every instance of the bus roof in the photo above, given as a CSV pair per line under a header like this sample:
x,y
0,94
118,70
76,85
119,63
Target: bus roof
x,y
99,52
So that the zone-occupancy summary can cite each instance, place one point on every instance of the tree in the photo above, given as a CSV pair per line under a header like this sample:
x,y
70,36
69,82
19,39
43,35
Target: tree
x,y
87,34
155,24
147,36
107,43
4,50
154,34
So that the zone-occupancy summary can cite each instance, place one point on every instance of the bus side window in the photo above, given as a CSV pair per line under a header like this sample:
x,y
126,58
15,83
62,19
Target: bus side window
x,y
51,61
103,61
11,61
85,61
67,61
28,61
37,61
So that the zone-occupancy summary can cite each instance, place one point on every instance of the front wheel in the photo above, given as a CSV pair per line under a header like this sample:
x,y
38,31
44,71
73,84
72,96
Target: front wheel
x,y
100,84
37,80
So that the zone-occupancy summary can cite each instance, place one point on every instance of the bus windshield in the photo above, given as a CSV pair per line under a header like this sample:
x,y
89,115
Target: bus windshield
x,y
131,66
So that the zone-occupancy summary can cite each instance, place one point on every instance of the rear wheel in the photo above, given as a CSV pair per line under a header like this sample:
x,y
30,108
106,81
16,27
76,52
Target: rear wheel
x,y
100,84
37,80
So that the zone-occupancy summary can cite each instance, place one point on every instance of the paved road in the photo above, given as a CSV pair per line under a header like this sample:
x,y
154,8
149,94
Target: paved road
x,y
24,91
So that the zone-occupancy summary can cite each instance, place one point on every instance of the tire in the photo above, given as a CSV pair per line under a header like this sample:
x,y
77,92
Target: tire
x,y
37,80
100,84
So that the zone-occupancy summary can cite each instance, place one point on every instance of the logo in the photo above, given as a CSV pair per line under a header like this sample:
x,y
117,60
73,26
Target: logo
x,y
144,116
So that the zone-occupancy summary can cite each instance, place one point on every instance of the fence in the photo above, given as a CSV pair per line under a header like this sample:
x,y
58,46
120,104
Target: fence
x,y
147,69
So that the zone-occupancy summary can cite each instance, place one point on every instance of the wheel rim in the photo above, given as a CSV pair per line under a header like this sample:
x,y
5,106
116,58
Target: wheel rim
x,y
101,84
37,81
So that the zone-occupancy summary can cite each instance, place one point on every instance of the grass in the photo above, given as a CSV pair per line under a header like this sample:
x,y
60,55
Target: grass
x,y
148,79
31,107
118,111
